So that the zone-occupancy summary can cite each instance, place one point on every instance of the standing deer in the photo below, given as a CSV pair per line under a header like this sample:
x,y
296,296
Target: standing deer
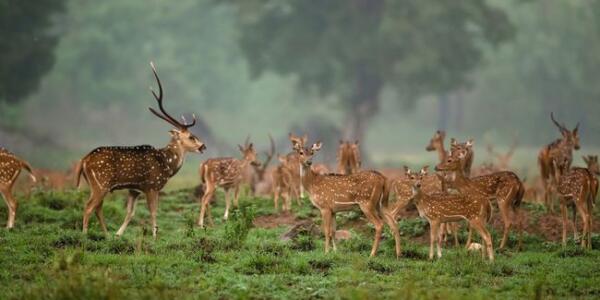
x,y
227,173
575,187
282,181
259,171
504,186
594,168
348,157
332,193
442,207
467,148
138,169
556,152
10,168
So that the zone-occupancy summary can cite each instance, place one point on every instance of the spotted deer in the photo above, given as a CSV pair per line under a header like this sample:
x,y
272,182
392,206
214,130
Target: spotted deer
x,y
281,188
467,148
10,168
331,193
294,168
259,170
556,152
575,186
139,169
502,159
227,173
594,168
348,157
442,207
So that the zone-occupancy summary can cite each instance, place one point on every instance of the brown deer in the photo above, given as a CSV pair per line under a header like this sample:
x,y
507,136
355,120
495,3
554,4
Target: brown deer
x,y
575,187
442,207
467,148
227,173
294,168
503,159
281,188
332,193
504,186
10,168
259,170
594,168
348,156
138,169
555,151
437,144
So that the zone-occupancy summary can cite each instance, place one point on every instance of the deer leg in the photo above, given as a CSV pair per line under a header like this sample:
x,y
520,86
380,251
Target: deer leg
x,y
205,202
332,232
439,244
563,211
227,204
455,233
326,216
96,196
152,201
574,220
374,218
100,216
433,236
389,219
276,198
11,204
485,236
469,237
236,196
504,211
131,203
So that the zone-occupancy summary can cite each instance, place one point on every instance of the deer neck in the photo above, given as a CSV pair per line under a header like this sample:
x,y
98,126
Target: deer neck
x,y
308,177
462,182
442,155
174,155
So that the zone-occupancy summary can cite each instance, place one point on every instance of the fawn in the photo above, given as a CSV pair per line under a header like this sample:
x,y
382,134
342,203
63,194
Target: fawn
x,y
225,172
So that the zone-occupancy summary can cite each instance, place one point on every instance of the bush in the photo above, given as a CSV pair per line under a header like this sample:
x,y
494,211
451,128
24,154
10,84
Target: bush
x,y
238,226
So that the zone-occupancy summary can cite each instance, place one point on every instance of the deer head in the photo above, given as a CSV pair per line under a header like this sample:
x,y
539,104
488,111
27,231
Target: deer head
x,y
306,154
181,134
437,141
452,163
249,154
592,163
298,142
570,137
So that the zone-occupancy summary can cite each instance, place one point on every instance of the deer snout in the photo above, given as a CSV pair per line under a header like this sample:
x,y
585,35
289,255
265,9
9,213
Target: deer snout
x,y
429,148
418,184
202,148
308,163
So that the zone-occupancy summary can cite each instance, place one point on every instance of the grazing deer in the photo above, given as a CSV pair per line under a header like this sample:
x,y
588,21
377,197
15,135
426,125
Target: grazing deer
x,y
138,169
332,193
10,168
594,168
227,173
348,156
504,186
575,187
556,151
467,148
444,207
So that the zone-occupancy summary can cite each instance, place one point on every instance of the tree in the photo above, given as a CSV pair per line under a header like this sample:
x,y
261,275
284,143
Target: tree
x,y
27,45
352,49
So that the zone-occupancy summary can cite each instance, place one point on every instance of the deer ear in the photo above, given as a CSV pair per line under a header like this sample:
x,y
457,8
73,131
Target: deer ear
x,y
470,143
586,159
250,146
576,130
241,148
424,170
453,142
406,170
316,146
281,158
356,142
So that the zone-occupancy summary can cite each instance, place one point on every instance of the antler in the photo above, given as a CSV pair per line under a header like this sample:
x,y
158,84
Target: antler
x,y
159,98
561,127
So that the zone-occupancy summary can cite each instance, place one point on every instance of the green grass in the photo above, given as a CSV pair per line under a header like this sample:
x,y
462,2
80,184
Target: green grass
x,y
47,257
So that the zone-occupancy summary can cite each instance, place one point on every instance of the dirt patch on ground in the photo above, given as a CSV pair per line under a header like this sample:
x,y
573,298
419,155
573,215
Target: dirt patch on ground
x,y
275,220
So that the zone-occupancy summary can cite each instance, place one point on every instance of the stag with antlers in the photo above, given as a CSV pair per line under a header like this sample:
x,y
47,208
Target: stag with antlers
x,y
10,168
555,153
443,207
348,157
138,169
227,173
332,193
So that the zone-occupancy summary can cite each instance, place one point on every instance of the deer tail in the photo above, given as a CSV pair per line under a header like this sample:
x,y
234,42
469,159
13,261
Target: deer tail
x,y
518,199
78,173
385,195
28,168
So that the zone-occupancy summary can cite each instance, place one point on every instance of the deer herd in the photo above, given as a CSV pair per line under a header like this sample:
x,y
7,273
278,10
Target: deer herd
x,y
454,192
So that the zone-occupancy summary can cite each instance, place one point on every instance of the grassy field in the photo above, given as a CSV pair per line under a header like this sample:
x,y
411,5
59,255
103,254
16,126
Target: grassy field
x,y
46,257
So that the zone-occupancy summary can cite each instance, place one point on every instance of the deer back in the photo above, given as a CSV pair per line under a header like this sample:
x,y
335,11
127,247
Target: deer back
x,y
139,167
335,190
223,171
10,167
571,183
448,207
